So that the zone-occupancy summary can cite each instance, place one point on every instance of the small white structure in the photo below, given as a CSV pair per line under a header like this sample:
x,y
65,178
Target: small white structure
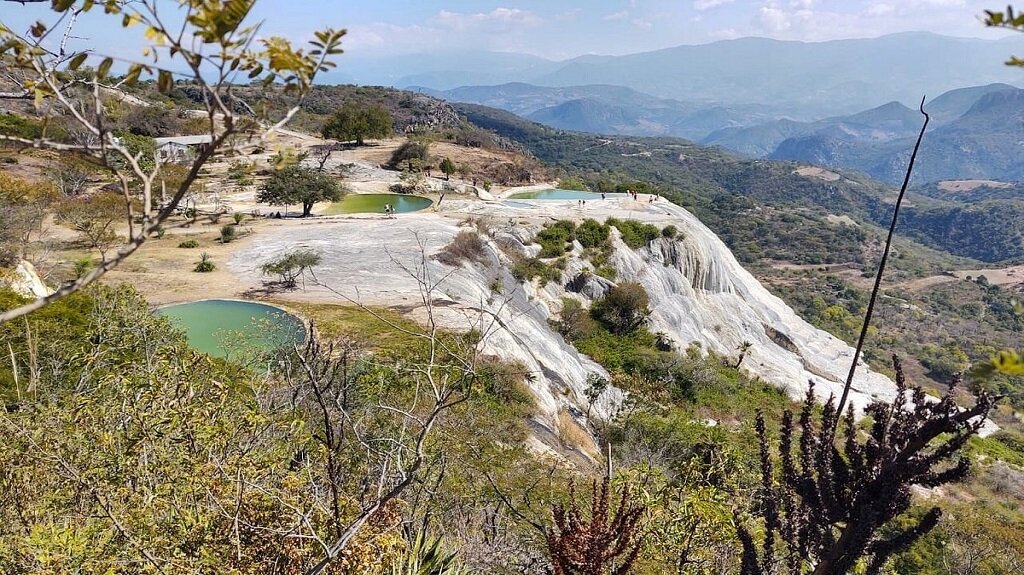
x,y
180,149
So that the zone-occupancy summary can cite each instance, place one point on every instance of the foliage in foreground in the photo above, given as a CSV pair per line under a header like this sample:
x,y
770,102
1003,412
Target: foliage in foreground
x,y
832,505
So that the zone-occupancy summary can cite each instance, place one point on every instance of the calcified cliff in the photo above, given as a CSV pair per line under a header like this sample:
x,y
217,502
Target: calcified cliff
x,y
699,292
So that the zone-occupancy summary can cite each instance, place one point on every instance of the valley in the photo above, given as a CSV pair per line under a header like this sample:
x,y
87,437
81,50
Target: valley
x,y
533,314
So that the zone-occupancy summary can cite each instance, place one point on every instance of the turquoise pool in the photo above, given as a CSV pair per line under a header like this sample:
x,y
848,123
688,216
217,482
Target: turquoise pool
x,y
229,328
554,194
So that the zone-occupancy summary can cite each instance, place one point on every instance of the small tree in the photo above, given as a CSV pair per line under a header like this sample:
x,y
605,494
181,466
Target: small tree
x,y
743,348
95,219
624,309
596,386
605,543
358,122
299,185
834,503
410,153
292,265
447,168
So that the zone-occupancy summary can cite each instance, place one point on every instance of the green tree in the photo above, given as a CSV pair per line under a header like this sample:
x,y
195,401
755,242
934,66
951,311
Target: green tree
x,y
299,185
447,168
411,153
292,265
357,122
624,309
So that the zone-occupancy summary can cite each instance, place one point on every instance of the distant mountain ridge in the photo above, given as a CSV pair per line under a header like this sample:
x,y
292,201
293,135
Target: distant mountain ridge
x,y
801,80
985,142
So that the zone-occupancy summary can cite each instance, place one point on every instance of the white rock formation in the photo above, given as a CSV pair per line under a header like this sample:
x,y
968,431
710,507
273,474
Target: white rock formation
x,y
24,280
698,290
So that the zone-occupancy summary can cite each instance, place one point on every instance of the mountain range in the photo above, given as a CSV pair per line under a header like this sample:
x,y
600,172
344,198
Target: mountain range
x,y
800,80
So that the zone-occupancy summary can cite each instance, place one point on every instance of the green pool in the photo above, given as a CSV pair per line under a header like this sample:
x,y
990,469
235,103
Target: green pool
x,y
554,194
374,204
227,328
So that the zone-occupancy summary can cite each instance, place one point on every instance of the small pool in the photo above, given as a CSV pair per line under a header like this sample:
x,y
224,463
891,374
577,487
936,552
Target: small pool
x,y
228,328
554,194
374,204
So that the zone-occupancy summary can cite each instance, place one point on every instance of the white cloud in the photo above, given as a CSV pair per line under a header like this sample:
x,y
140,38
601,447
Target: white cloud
x,y
709,4
880,9
774,20
643,24
500,18
616,16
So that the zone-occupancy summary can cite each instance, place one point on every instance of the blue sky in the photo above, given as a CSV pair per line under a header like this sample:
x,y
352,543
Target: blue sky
x,y
563,29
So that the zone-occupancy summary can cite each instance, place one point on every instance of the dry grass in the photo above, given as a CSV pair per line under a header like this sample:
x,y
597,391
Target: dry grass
x,y
573,435
466,246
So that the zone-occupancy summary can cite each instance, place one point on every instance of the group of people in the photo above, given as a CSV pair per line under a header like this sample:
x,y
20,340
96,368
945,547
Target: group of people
x,y
636,196
389,210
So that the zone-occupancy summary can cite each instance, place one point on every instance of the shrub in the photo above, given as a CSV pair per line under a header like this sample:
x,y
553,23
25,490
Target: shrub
x,y
466,246
412,154
83,266
239,217
635,234
292,265
205,264
228,234
240,172
189,244
554,239
525,269
624,309
592,234
573,183
669,231
575,322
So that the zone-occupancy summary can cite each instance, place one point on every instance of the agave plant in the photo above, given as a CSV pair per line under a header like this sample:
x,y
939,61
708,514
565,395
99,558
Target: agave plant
x,y
427,557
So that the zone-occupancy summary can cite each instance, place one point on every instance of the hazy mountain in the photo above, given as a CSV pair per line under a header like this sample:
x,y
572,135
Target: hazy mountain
x,y
802,80
891,121
986,142
442,70
606,109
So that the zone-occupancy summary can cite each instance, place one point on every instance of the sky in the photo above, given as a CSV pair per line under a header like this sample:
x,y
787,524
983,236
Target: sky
x,y
564,29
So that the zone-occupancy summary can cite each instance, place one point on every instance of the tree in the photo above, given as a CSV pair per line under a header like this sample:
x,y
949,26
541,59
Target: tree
x,y
95,218
410,153
23,207
743,348
624,309
833,504
299,185
212,46
292,265
358,122
447,168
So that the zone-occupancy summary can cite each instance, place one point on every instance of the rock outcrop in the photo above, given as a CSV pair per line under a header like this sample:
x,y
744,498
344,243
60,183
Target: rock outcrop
x,y
699,293
25,281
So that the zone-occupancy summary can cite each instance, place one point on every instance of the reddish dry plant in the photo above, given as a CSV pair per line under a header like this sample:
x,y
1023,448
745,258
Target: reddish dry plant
x,y
598,544
834,502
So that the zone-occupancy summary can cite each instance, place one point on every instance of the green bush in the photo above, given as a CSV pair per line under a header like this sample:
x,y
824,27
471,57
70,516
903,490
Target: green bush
x,y
635,234
189,244
573,183
624,309
525,269
592,234
205,264
556,239
228,234
669,231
